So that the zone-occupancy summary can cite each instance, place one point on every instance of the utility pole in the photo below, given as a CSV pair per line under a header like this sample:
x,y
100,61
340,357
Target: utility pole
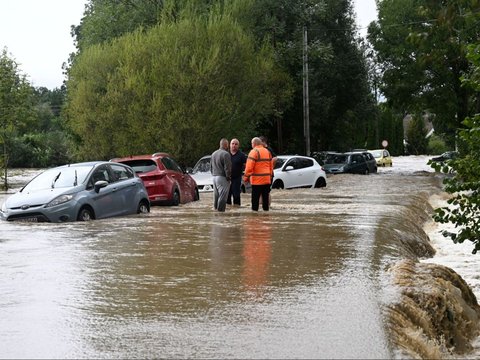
x,y
306,113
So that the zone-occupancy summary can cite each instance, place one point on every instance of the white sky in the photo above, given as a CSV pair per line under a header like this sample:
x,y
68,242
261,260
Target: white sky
x,y
36,34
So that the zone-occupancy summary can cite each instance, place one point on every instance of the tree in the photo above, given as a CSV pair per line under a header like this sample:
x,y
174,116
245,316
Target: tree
x,y
416,136
421,46
15,107
178,87
342,107
463,182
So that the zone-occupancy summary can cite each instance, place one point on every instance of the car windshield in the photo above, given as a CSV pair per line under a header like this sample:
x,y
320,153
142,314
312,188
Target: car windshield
x,y
203,165
338,159
59,178
376,153
141,166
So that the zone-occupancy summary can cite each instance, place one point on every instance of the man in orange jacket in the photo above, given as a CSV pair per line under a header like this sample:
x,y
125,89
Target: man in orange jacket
x,y
258,171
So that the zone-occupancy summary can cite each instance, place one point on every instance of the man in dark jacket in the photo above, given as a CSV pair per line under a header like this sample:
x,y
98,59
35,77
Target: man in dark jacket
x,y
221,169
238,164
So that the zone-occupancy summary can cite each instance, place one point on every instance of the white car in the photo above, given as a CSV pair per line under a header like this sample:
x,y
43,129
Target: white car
x,y
202,175
295,171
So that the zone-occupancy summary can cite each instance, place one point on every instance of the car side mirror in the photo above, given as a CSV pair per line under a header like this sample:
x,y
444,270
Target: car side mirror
x,y
188,170
288,168
100,184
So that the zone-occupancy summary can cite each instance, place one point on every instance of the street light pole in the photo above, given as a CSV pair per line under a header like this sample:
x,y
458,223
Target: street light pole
x,y
306,113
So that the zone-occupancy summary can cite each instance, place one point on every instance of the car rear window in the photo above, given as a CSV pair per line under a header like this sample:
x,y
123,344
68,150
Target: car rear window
x,y
141,166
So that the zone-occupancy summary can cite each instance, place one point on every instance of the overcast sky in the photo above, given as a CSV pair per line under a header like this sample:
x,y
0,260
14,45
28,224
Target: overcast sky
x,y
36,34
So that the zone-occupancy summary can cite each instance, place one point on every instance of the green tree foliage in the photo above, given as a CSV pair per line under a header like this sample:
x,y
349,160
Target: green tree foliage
x,y
178,87
464,172
342,108
421,48
390,128
15,107
416,136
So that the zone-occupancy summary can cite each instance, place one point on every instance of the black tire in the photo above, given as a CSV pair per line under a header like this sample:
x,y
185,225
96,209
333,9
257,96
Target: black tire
x,y
278,184
85,214
320,182
196,197
176,198
143,207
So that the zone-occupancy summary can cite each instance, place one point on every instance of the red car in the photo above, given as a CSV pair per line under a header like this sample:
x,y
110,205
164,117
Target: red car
x,y
164,179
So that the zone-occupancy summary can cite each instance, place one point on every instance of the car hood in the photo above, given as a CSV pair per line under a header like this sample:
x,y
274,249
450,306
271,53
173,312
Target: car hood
x,y
203,178
39,197
327,167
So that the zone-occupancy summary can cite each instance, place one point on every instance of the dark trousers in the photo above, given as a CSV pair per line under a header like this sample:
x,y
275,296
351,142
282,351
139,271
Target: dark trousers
x,y
263,191
235,191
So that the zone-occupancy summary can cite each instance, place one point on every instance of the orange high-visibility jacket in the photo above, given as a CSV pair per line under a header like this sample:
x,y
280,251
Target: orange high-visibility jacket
x,y
259,169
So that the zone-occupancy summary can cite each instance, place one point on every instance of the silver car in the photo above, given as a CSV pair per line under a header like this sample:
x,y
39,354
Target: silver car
x,y
83,191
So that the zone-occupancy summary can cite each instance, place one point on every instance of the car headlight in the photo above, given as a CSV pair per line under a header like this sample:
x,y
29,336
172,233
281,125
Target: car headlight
x,y
59,200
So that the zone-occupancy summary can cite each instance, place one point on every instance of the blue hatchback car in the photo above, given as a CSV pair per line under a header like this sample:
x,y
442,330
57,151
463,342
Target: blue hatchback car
x,y
82,191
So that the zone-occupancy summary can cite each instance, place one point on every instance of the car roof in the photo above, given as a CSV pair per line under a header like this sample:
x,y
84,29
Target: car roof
x,y
289,156
156,155
86,163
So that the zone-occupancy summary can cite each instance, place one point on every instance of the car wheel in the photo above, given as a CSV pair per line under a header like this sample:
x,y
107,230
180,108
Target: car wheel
x,y
278,184
366,172
320,182
176,198
143,207
196,197
85,214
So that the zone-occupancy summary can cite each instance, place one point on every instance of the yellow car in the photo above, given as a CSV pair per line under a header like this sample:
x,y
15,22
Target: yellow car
x,y
382,156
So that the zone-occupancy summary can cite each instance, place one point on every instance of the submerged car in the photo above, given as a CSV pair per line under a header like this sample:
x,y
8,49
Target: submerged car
x,y
448,155
202,174
324,157
352,162
164,179
82,191
295,171
382,157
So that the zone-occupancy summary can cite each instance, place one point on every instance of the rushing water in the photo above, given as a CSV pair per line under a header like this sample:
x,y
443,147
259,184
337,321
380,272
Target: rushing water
x,y
306,280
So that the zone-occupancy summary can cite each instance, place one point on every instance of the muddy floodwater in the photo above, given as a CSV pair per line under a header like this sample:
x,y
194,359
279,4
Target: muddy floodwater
x,y
306,280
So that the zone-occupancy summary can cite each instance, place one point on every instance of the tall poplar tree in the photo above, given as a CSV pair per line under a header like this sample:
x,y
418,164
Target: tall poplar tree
x,y
421,46
15,107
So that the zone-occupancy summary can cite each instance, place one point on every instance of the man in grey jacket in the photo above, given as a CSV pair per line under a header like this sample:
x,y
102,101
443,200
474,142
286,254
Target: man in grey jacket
x,y
221,168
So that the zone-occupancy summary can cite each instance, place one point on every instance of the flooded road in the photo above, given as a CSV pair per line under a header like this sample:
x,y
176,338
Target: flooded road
x,y
305,280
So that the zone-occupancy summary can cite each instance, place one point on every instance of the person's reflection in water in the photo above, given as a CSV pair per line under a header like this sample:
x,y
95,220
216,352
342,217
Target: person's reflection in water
x,y
257,253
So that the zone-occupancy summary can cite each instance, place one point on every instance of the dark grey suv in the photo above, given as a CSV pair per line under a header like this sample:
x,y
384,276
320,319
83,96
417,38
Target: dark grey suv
x,y
355,162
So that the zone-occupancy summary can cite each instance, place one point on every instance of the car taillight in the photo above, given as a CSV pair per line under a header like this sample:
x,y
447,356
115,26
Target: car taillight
x,y
153,177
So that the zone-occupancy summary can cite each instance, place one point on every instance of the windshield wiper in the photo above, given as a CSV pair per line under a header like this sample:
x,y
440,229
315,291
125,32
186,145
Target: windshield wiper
x,y
55,180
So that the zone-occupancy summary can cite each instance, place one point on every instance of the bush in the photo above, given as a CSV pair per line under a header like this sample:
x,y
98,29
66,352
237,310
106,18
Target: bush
x,y
437,145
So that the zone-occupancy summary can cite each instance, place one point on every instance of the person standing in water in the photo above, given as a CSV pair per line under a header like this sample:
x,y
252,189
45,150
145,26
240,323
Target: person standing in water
x,y
221,169
239,160
258,171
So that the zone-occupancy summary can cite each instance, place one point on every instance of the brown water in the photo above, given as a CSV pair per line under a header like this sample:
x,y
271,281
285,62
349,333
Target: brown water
x,y
306,280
